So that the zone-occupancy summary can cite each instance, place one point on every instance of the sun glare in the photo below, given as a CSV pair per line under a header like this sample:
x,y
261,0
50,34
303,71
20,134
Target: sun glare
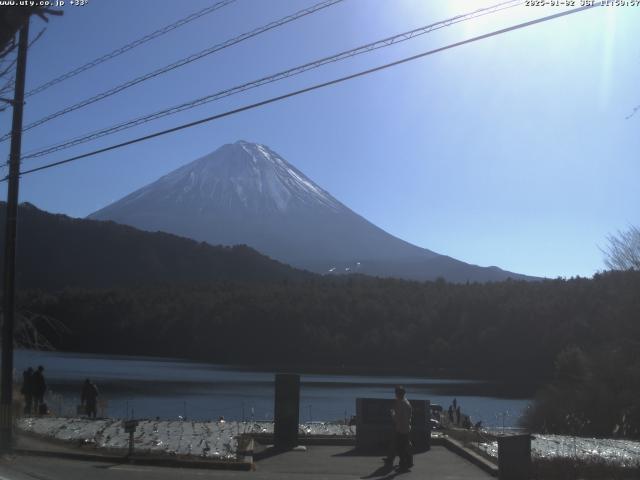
x,y
504,14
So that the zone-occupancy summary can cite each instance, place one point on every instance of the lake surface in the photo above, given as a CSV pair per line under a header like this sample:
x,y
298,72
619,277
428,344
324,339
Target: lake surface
x,y
145,387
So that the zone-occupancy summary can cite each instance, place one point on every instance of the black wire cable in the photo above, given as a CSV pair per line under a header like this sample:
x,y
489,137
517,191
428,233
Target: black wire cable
x,y
180,63
129,46
312,88
8,85
9,68
11,82
386,42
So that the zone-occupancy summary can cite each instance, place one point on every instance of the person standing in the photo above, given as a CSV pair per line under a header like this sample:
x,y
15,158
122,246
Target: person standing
x,y
27,390
401,416
89,398
39,388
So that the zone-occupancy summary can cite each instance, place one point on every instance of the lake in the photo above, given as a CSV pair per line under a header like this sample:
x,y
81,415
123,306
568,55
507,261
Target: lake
x,y
144,387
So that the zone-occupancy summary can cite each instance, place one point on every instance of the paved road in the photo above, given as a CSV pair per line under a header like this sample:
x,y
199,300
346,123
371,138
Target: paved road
x,y
335,463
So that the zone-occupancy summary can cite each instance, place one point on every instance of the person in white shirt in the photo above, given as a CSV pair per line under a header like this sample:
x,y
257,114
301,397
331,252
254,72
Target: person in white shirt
x,y
401,415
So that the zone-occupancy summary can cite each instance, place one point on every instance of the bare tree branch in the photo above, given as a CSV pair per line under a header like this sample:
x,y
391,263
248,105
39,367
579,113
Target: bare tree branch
x,y
10,82
29,330
623,251
633,112
8,85
8,48
11,65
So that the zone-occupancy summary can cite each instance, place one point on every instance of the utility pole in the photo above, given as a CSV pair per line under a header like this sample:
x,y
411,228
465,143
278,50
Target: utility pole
x,y
9,271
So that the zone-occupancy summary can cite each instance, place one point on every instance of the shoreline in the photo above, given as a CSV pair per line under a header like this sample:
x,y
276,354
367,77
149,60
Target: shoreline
x,y
507,387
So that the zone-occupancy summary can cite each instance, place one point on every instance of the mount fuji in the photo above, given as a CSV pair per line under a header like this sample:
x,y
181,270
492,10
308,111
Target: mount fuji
x,y
245,193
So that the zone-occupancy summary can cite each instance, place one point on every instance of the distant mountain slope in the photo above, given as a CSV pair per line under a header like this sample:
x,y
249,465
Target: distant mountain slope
x,y
245,193
56,251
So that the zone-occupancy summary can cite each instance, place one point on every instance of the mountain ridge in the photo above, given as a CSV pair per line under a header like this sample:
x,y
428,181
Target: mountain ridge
x,y
56,252
247,193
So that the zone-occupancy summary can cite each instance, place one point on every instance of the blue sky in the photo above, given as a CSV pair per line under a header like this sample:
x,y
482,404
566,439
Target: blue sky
x,y
513,151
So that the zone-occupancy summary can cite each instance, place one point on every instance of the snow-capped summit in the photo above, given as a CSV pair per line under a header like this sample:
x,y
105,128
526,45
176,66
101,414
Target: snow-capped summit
x,y
245,193
242,175
247,175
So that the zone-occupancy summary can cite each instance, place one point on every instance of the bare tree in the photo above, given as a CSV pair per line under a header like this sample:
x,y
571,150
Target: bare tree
x,y
12,18
36,331
30,327
623,251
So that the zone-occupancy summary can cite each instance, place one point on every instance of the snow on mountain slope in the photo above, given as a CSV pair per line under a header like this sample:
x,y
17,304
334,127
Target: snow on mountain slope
x,y
243,176
245,193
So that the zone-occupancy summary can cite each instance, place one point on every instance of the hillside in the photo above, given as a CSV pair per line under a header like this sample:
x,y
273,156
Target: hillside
x,y
56,251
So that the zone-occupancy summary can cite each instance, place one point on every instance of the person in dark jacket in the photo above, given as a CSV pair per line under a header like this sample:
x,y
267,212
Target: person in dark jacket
x,y
27,390
39,387
89,398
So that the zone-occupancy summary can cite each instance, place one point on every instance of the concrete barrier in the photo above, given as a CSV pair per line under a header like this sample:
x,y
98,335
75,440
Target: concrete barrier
x,y
514,457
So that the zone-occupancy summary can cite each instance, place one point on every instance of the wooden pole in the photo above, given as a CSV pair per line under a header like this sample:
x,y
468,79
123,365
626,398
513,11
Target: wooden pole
x,y
9,269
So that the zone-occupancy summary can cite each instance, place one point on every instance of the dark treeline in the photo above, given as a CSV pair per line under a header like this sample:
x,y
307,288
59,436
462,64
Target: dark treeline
x,y
591,394
508,329
512,330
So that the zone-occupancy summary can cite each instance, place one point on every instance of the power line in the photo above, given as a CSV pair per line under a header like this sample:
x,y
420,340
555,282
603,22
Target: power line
x,y
180,63
311,88
10,84
129,46
9,68
272,78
